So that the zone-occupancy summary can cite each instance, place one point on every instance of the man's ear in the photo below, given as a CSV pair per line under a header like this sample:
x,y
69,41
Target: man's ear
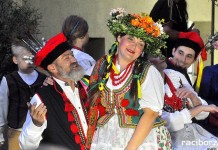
x,y
52,68
173,51
14,59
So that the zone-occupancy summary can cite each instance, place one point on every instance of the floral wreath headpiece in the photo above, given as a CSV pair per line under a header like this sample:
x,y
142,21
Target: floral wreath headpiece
x,y
141,26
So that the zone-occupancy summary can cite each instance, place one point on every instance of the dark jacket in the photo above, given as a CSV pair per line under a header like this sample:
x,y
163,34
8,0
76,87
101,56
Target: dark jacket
x,y
19,94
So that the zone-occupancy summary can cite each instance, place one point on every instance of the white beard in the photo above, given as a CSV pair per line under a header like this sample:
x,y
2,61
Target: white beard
x,y
74,74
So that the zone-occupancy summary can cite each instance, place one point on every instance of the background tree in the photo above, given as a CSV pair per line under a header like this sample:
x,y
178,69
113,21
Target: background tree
x,y
16,21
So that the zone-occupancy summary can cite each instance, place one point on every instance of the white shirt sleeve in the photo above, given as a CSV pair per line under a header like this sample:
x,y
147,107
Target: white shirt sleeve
x,y
3,101
177,120
152,91
87,65
31,135
202,115
3,106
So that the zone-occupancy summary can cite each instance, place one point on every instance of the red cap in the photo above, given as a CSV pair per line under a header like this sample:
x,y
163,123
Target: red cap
x,y
192,40
55,46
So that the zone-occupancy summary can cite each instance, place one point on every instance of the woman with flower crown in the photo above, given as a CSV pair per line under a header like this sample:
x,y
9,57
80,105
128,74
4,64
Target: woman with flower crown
x,y
126,93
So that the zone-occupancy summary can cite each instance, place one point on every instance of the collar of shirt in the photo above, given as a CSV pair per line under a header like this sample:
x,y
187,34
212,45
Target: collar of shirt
x,y
29,78
75,47
60,82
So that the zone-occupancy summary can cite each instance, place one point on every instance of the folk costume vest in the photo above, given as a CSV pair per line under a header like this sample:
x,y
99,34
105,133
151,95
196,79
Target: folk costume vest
x,y
19,94
122,104
64,127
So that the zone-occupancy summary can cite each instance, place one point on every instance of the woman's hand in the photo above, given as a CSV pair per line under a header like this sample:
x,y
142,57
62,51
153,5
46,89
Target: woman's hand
x,y
48,81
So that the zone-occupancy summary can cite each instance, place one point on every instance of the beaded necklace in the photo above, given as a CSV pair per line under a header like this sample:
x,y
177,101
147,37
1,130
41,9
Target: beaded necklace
x,y
116,78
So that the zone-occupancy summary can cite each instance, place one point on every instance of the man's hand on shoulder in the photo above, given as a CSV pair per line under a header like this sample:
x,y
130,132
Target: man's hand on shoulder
x,y
48,81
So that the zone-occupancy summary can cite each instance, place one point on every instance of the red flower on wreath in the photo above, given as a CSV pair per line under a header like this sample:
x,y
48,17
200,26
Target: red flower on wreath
x,y
98,100
74,128
124,102
102,110
132,112
77,139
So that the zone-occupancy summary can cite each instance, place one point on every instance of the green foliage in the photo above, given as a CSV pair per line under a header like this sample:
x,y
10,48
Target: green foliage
x,y
15,22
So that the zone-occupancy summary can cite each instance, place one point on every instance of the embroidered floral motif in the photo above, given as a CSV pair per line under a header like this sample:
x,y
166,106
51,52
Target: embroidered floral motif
x,y
87,104
83,93
124,102
93,115
95,77
102,110
163,139
132,112
129,111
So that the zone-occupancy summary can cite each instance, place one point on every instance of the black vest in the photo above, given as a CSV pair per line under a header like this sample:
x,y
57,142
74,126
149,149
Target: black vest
x,y
58,131
19,94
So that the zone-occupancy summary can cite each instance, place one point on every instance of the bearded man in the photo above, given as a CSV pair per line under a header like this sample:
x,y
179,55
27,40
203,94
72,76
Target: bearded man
x,y
57,115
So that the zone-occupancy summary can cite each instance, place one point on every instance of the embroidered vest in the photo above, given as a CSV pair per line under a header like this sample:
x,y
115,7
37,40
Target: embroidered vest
x,y
19,94
99,115
129,115
60,129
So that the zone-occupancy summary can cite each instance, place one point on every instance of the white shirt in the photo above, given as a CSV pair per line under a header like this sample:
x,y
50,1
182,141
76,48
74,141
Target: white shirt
x,y
31,135
4,93
85,60
177,120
